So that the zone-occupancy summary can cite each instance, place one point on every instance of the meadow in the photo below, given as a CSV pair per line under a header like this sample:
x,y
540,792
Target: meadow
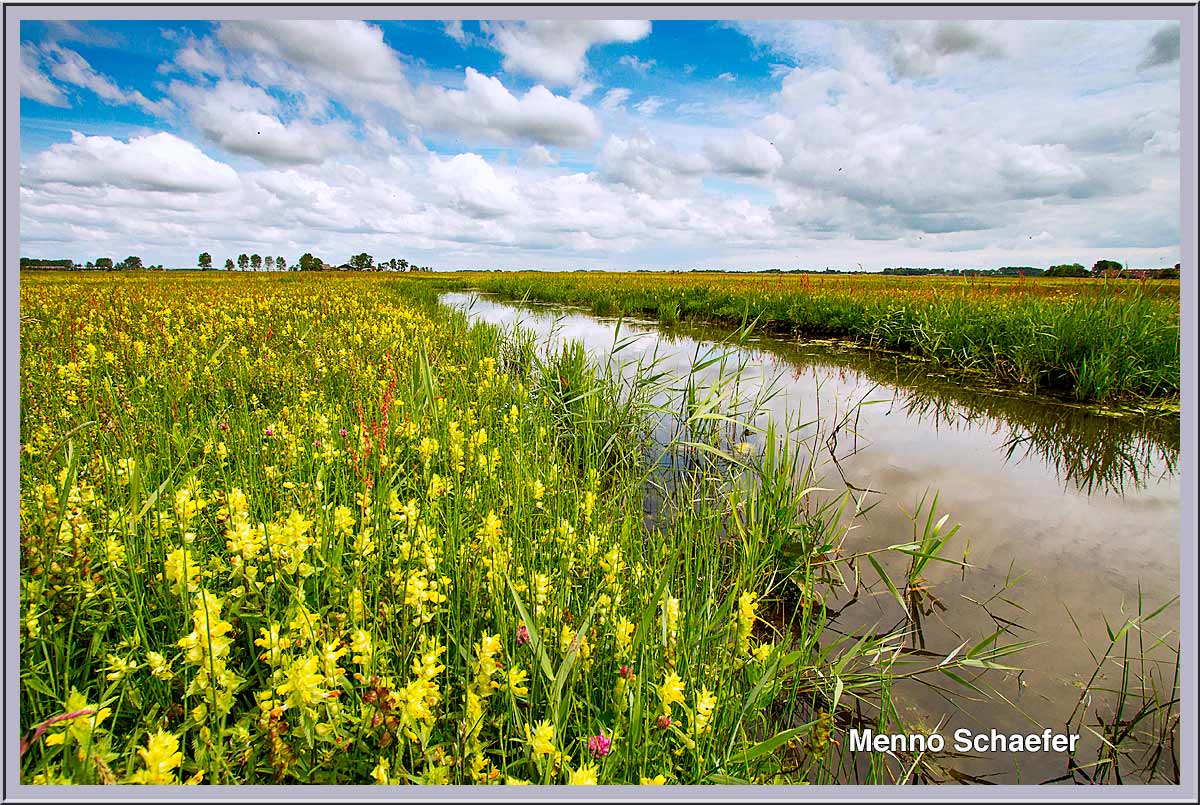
x,y
318,529
1093,340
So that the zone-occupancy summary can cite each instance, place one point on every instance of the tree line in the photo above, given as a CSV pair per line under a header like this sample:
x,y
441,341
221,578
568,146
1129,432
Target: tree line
x,y
307,262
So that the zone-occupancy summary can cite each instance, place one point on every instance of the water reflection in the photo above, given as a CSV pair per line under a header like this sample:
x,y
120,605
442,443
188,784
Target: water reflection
x,y
1088,450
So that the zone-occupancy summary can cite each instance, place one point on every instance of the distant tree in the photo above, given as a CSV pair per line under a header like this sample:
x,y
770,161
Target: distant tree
x,y
1105,265
205,260
280,264
132,262
255,262
1067,270
309,263
228,264
403,264
243,261
104,263
362,262
268,263
91,264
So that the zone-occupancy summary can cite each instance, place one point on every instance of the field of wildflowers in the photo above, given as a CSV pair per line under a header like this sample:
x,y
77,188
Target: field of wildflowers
x,y
1092,340
317,529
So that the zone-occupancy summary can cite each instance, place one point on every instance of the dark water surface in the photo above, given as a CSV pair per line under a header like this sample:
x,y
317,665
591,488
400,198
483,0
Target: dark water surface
x,y
1081,510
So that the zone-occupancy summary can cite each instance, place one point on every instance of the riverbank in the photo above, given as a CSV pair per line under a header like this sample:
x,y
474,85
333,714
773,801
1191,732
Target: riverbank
x,y
1108,342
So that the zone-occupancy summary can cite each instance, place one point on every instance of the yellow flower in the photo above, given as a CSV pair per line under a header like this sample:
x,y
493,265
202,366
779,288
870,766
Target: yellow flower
x,y
380,773
657,779
671,691
162,758
360,644
516,681
584,775
119,668
542,739
705,703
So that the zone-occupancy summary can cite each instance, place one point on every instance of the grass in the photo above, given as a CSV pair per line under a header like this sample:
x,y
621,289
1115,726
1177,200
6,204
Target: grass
x,y
285,529
1103,341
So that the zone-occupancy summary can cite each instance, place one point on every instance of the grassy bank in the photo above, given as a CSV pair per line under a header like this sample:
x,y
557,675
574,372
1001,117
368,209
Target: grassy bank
x,y
1090,340
316,529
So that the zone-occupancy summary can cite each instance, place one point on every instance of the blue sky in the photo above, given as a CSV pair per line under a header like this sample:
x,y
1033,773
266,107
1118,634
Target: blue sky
x,y
603,144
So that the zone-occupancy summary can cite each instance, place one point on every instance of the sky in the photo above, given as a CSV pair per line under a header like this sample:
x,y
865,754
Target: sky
x,y
609,144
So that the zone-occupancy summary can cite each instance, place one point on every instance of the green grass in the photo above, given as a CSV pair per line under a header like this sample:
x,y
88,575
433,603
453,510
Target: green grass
x,y
1097,341
289,529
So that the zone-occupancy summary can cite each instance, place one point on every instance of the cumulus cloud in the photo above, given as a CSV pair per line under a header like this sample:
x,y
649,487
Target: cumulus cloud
x,y
742,153
850,159
485,107
1163,47
922,49
35,85
243,119
158,162
644,164
472,186
555,51
347,48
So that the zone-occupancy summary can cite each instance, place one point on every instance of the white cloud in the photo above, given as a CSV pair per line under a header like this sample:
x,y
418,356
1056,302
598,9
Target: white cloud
x,y
472,186
536,155
615,99
69,67
730,77
650,105
157,162
636,64
485,107
644,164
742,153
454,30
34,84
243,119
555,51
346,48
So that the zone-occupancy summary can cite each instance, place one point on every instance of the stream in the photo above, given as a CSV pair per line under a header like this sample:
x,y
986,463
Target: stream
x,y
1067,515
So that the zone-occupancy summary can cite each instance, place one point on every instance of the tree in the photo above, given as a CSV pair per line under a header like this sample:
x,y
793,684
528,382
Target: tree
x,y
228,264
403,265
243,261
1067,270
309,263
205,260
280,264
132,262
255,262
268,263
104,263
362,262
1105,265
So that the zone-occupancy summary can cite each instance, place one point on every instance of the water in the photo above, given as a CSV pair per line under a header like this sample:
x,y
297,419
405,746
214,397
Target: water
x,y
1062,510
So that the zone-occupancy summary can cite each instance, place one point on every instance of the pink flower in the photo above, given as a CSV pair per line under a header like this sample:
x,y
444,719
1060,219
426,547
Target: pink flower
x,y
522,635
270,432
626,673
600,745
664,722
